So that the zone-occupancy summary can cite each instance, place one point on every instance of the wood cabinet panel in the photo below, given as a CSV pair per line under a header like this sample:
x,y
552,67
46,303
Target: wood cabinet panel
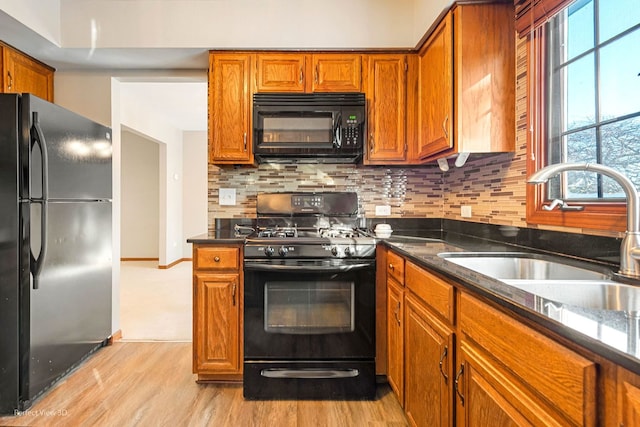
x,y
217,258
22,74
553,371
280,73
433,290
435,117
395,338
217,323
217,312
466,83
386,92
428,350
230,108
628,399
395,267
486,397
336,72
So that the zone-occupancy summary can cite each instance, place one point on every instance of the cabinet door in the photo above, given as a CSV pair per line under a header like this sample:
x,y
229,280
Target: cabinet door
x,y
230,108
386,91
435,108
428,345
280,73
336,73
217,311
628,399
481,396
395,340
23,74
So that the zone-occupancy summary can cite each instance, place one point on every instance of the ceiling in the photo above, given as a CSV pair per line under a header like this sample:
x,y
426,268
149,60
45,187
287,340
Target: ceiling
x,y
140,35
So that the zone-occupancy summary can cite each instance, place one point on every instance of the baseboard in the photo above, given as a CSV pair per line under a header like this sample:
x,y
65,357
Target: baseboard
x,y
116,336
139,259
173,264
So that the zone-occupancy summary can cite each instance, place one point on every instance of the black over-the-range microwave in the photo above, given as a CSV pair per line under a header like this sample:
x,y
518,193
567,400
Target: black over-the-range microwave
x,y
309,127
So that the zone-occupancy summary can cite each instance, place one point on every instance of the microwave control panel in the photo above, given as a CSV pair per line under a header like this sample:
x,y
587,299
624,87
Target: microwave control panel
x,y
353,127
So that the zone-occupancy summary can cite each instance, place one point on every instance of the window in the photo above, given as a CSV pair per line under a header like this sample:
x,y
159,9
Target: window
x,y
588,106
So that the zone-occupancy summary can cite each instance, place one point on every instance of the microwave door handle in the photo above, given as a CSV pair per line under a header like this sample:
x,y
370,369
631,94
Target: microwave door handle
x,y
337,139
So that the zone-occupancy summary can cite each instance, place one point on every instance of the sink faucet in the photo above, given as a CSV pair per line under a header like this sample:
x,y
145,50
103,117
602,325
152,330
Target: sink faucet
x,y
630,247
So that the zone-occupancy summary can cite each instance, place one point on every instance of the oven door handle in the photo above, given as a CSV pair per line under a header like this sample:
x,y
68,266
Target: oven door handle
x,y
301,268
309,373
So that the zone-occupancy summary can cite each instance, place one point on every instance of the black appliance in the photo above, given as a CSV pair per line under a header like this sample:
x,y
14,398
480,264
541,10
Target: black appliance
x,y
309,127
309,305
55,244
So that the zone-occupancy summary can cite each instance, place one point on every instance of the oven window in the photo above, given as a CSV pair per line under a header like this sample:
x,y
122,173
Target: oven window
x,y
292,128
320,307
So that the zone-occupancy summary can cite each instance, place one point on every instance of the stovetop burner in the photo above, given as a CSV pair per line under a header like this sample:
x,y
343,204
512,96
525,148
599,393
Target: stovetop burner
x,y
308,225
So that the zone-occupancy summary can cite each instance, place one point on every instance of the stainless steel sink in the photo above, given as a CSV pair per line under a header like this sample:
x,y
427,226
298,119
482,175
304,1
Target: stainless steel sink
x,y
520,266
595,295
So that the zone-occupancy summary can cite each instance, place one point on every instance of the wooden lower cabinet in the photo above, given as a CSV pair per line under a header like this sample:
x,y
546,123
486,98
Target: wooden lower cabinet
x,y
628,399
456,359
395,338
428,398
217,313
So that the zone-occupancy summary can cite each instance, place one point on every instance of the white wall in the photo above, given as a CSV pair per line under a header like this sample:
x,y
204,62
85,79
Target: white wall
x,y
238,23
195,187
140,196
43,17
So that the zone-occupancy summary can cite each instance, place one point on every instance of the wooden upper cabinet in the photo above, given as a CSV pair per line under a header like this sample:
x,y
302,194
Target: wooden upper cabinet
x,y
336,72
280,73
300,72
230,108
385,86
22,74
436,92
467,83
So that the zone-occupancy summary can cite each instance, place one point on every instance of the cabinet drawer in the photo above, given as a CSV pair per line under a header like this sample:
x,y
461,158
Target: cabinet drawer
x,y
395,267
549,369
434,291
217,258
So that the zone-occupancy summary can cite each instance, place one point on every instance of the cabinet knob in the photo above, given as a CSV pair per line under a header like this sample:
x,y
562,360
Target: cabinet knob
x,y
391,267
10,79
216,259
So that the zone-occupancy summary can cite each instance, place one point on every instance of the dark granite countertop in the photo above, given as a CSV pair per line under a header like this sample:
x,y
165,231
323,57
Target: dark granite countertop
x,y
610,334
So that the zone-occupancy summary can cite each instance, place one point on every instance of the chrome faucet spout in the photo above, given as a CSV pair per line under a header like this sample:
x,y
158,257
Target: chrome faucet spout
x,y
630,248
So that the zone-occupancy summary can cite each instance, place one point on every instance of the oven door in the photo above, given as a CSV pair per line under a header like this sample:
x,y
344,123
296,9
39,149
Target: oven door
x,y
309,309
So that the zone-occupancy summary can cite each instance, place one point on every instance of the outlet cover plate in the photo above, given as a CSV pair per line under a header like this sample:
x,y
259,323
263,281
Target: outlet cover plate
x,y
383,210
227,196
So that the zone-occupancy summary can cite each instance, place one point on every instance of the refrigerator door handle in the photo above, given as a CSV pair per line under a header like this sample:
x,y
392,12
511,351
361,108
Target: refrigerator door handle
x,y
37,137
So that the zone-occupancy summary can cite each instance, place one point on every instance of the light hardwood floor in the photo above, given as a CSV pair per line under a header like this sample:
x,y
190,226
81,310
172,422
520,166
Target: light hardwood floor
x,y
150,384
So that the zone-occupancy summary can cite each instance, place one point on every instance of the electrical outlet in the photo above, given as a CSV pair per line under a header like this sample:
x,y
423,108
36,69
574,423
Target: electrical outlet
x,y
465,211
227,196
383,210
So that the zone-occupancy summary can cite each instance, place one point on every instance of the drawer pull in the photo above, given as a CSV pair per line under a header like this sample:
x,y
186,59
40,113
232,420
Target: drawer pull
x,y
458,375
391,267
444,355
216,259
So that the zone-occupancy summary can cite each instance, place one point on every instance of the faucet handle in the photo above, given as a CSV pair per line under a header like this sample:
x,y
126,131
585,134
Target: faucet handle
x,y
558,203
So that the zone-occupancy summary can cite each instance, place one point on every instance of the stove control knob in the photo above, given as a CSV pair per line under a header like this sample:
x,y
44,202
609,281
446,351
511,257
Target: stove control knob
x,y
269,251
283,250
348,251
334,251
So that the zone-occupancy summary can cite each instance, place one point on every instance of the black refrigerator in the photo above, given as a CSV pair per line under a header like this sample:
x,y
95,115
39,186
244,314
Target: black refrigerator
x,y
55,244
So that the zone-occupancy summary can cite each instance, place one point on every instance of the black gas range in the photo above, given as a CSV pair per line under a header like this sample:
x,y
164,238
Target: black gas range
x,y
309,307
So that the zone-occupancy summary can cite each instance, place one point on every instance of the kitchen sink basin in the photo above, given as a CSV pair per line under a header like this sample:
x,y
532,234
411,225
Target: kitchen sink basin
x,y
552,280
520,266
589,294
